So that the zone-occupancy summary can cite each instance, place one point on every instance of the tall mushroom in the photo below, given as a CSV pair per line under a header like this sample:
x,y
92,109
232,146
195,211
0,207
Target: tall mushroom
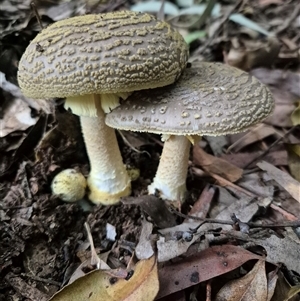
x,y
93,60
210,99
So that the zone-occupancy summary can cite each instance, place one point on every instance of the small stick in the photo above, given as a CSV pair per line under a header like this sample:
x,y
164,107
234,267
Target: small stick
x,y
37,15
286,214
223,181
208,290
271,146
295,223
289,20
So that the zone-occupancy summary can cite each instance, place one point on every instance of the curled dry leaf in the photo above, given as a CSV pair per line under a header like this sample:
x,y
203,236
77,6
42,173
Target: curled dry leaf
x,y
284,291
253,286
101,285
285,180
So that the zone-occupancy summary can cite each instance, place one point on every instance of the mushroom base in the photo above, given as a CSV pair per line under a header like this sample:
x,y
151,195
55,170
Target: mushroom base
x,y
97,196
171,174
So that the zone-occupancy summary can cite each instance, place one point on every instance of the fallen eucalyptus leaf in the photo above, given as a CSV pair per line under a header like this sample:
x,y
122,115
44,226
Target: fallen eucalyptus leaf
x,y
154,7
102,285
184,3
195,35
207,264
242,20
212,164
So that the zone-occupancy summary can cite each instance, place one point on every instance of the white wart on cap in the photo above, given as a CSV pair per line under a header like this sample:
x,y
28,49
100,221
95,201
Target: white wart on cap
x,y
210,99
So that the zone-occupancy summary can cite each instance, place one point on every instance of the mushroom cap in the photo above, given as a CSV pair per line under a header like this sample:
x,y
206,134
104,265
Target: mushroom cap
x,y
69,185
210,99
119,51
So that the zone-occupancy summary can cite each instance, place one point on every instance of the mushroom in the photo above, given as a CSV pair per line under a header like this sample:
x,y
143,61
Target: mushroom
x,y
93,60
210,99
69,185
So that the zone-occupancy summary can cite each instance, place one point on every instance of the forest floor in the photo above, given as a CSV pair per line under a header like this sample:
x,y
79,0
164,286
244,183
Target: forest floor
x,y
43,239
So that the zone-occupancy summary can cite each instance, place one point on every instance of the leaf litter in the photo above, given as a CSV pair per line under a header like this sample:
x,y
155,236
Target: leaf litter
x,y
233,205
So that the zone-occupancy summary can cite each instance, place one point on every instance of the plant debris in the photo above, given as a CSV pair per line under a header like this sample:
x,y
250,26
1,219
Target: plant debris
x,y
237,235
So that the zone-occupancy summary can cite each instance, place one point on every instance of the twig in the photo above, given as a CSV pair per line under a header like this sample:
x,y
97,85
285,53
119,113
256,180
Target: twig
x,y
289,20
37,15
208,290
295,223
131,146
156,141
250,132
95,260
39,279
220,25
202,19
286,214
228,183
271,146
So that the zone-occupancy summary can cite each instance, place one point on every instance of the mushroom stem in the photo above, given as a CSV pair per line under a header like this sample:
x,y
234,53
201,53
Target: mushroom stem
x,y
108,179
172,170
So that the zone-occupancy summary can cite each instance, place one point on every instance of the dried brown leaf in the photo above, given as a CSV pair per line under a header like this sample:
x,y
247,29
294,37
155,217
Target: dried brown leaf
x,y
253,286
283,290
276,158
249,53
281,115
272,278
204,265
260,132
102,285
216,165
286,81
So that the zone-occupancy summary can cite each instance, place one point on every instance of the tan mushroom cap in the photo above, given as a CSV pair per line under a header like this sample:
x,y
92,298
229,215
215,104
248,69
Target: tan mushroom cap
x,y
210,99
106,53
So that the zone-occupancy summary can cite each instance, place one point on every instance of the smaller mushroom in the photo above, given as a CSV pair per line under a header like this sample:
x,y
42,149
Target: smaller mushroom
x,y
69,185
211,99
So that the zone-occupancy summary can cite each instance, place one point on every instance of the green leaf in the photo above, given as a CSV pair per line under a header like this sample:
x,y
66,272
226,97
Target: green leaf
x,y
242,20
184,3
154,7
193,36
